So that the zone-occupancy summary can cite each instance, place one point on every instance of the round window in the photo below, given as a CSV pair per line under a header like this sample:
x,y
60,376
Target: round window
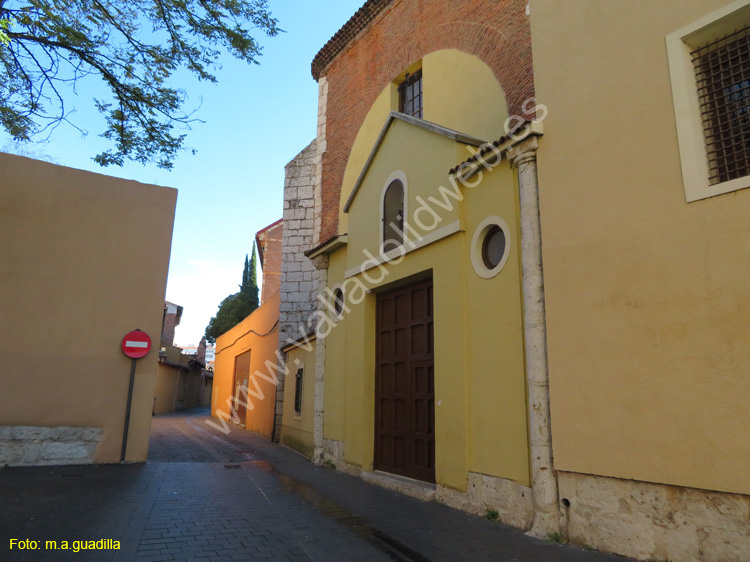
x,y
338,301
490,247
493,247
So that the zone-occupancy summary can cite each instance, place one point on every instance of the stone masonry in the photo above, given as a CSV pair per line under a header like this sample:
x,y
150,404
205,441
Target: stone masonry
x,y
37,446
299,278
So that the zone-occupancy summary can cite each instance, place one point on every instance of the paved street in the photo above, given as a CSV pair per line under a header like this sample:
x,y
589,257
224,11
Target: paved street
x,y
206,496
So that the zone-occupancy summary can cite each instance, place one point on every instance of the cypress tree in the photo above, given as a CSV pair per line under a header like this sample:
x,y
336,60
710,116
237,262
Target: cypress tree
x,y
252,283
235,308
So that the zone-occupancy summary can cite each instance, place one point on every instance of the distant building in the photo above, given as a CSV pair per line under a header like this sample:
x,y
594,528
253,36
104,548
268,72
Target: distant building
x,y
193,349
268,241
170,320
184,381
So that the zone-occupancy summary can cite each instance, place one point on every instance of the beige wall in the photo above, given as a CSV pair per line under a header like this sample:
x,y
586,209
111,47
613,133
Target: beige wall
x,y
84,261
297,428
177,389
647,295
259,335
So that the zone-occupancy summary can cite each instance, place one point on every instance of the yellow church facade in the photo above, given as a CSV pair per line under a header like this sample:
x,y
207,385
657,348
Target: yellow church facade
x,y
425,386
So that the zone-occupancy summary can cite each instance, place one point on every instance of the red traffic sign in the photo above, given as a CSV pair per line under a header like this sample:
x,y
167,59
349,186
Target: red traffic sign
x,y
136,344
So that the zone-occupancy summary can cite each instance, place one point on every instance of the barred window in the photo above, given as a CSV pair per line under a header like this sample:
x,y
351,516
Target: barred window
x,y
410,95
298,392
723,77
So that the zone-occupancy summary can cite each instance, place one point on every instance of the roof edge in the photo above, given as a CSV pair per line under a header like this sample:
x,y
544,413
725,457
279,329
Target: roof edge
x,y
328,246
346,34
426,125
469,167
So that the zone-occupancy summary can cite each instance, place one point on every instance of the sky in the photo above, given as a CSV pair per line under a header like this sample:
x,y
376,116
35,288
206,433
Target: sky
x,y
257,118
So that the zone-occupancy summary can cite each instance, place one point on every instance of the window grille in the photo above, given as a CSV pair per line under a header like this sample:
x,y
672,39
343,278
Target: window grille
x,y
723,76
410,95
298,392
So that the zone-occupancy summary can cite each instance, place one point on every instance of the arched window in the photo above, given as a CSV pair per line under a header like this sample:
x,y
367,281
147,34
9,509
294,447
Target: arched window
x,y
393,215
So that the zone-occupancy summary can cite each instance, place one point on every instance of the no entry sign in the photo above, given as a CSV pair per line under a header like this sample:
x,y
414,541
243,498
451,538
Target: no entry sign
x,y
136,344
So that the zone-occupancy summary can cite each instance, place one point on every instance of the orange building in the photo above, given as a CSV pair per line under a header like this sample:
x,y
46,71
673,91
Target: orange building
x,y
246,361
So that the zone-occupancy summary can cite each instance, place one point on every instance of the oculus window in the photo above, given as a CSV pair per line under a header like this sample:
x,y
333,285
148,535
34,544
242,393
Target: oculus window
x,y
490,247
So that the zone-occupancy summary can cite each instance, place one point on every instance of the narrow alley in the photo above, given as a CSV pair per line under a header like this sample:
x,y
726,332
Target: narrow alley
x,y
204,495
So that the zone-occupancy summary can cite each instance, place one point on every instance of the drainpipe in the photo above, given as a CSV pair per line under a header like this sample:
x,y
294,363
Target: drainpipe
x,y
544,480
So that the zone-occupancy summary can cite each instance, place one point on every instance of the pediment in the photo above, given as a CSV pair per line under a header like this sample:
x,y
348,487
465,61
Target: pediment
x,y
395,117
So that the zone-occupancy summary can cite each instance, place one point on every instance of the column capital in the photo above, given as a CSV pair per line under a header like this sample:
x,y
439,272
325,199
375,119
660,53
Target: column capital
x,y
524,151
320,262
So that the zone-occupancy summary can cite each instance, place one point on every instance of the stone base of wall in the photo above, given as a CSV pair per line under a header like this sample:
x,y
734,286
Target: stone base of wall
x,y
39,446
654,521
512,501
333,456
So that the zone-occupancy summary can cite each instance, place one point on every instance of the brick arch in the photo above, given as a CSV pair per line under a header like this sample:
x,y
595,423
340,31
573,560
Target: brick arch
x,y
496,32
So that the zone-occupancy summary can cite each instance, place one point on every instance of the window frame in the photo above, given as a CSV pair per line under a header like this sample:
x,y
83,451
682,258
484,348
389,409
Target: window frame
x,y
338,315
402,87
477,246
298,383
690,127
399,175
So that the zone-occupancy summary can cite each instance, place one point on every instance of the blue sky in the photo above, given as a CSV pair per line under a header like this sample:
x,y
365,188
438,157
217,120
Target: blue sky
x,y
257,118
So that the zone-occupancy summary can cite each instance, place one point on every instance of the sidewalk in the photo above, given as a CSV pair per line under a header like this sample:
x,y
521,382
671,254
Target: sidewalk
x,y
206,496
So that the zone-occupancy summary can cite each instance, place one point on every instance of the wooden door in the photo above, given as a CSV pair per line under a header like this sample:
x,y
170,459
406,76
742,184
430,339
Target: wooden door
x,y
241,379
405,389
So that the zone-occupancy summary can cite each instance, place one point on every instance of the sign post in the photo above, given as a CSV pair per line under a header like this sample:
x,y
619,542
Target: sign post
x,y
135,344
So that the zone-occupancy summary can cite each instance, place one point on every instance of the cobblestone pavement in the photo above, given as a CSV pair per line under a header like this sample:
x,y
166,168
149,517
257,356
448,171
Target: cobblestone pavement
x,y
206,496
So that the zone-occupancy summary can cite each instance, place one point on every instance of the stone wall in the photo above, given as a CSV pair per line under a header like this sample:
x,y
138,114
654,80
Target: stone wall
x,y
299,278
654,521
512,501
37,446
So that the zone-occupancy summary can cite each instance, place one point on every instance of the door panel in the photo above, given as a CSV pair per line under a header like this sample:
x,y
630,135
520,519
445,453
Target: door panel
x,y
241,379
405,387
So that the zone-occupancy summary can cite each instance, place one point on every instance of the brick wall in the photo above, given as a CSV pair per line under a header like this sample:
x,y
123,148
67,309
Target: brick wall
x,y
271,241
496,31
299,278
171,319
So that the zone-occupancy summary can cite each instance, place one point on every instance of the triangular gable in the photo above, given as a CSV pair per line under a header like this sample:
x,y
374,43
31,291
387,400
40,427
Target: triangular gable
x,y
426,125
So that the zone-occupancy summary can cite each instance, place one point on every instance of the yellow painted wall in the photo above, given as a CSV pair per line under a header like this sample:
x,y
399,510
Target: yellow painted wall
x,y
647,295
177,389
495,343
297,429
479,367
462,93
335,362
237,341
368,133
84,261
166,386
473,104
428,157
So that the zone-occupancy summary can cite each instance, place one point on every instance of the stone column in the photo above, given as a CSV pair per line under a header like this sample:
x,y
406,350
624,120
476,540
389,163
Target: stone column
x,y
544,480
321,264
